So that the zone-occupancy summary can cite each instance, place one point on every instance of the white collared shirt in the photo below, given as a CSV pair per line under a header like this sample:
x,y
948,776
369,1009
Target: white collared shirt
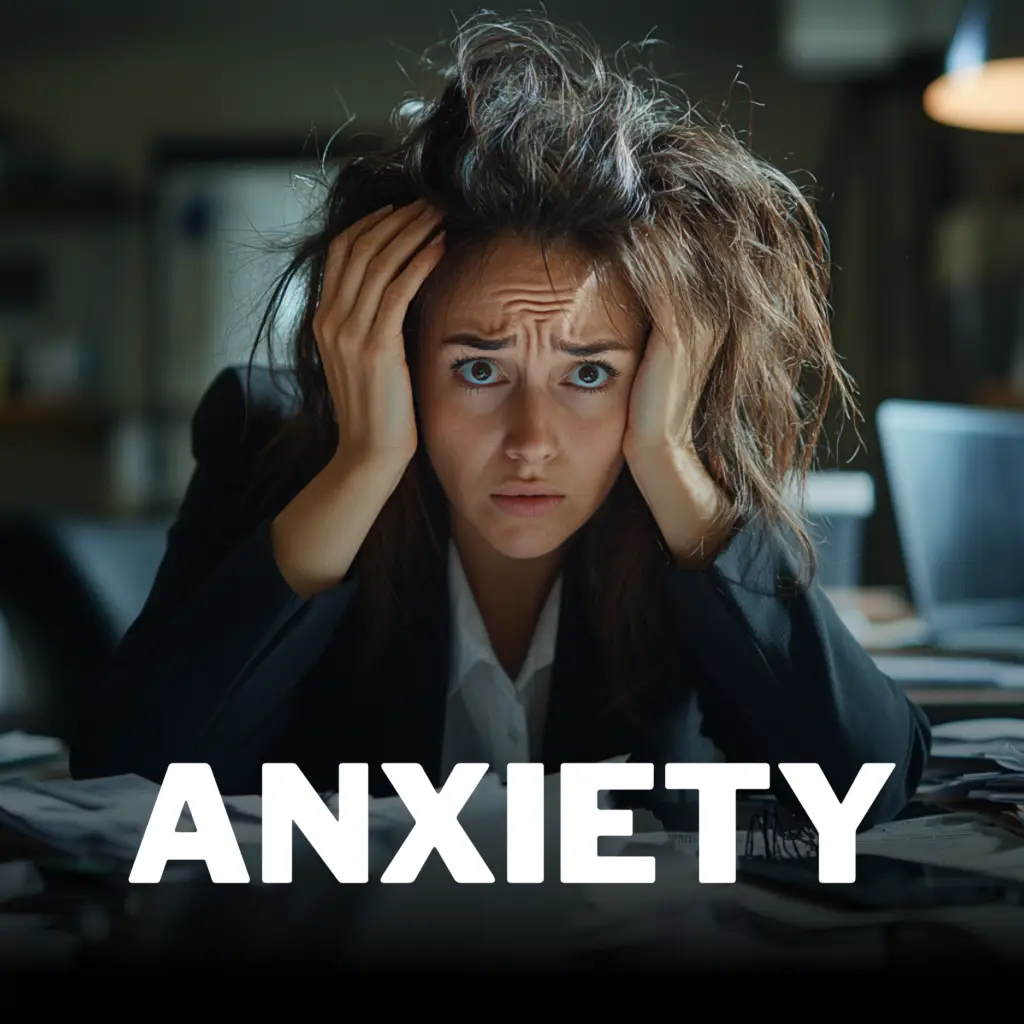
x,y
494,720
491,718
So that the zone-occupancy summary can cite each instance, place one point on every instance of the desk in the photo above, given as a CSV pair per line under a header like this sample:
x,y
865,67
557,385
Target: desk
x,y
947,703
675,922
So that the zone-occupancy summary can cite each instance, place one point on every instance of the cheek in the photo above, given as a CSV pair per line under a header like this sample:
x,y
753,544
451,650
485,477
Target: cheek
x,y
601,416
596,441
456,440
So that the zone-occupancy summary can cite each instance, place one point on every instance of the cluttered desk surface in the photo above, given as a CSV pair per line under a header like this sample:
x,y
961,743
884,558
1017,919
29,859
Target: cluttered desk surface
x,y
949,685
66,849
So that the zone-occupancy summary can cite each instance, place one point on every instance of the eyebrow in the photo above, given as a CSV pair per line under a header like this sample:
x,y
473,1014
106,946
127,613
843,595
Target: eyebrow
x,y
500,344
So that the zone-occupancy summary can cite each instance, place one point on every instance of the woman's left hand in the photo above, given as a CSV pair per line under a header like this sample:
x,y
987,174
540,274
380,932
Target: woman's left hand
x,y
689,508
668,386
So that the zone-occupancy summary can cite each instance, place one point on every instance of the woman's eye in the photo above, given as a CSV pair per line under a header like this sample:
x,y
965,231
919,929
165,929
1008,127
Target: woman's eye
x,y
478,372
589,376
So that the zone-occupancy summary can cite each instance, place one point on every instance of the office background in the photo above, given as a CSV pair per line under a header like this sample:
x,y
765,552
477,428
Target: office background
x,y
150,155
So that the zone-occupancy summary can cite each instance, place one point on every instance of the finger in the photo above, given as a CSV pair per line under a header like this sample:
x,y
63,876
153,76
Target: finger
x,y
663,315
338,250
394,303
388,264
365,248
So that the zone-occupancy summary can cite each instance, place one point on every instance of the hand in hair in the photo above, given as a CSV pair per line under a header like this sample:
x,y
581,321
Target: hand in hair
x,y
372,273
668,385
693,514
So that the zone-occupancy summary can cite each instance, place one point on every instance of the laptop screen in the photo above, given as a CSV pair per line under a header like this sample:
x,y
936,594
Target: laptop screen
x,y
956,475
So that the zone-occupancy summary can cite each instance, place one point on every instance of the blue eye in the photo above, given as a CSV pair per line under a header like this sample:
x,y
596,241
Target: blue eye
x,y
590,380
473,365
590,370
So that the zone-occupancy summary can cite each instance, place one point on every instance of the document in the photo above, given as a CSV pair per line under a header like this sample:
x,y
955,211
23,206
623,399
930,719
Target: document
x,y
96,820
17,748
912,669
105,819
980,730
999,740
681,921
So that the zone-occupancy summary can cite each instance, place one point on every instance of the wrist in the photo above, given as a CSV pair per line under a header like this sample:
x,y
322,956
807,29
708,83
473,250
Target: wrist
x,y
379,471
664,460
693,514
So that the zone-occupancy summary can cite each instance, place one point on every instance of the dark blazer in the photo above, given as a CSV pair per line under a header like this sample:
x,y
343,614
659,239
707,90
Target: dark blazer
x,y
227,665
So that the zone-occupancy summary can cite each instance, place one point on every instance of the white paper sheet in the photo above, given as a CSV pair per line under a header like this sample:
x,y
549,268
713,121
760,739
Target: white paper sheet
x,y
912,669
980,730
106,818
94,819
19,747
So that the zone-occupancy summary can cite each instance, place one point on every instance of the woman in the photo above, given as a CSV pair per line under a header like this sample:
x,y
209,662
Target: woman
x,y
528,497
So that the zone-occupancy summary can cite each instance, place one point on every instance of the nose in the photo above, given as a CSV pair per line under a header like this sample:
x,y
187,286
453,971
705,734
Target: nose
x,y
530,436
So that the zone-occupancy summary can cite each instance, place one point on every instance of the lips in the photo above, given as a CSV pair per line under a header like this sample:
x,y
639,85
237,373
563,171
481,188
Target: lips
x,y
527,490
527,494
528,504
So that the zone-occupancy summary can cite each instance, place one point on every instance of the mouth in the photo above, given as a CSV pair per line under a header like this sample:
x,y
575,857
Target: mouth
x,y
527,490
530,504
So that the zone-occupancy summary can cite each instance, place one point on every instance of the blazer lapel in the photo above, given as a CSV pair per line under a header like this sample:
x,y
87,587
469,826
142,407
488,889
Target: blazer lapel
x,y
426,663
401,714
576,729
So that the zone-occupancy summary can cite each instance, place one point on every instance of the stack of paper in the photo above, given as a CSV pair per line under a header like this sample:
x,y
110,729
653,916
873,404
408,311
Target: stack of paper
x,y
22,753
912,670
979,764
104,820
685,922
98,820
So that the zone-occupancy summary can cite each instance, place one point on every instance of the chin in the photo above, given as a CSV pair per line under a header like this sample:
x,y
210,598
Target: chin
x,y
524,542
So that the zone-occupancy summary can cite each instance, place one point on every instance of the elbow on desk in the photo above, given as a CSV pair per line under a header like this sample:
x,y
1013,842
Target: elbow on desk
x,y
99,761
906,776
97,753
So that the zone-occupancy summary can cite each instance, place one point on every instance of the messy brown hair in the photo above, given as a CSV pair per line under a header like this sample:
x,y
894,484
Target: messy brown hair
x,y
535,134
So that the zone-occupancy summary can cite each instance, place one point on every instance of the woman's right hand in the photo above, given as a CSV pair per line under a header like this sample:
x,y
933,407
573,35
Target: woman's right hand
x,y
372,273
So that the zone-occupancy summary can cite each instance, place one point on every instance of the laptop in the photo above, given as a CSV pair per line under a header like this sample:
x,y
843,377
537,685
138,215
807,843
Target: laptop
x,y
956,477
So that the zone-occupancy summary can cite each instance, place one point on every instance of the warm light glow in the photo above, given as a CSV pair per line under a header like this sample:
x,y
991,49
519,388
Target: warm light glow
x,y
986,98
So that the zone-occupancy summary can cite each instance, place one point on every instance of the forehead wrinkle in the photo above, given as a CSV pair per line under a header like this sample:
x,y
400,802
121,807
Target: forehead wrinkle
x,y
530,312
522,305
545,290
540,289
579,320
542,302
525,298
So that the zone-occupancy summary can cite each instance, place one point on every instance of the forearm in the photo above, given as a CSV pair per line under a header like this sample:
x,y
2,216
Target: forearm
x,y
784,680
317,536
694,516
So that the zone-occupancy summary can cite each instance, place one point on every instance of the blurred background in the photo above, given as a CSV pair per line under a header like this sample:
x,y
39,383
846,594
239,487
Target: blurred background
x,y
150,152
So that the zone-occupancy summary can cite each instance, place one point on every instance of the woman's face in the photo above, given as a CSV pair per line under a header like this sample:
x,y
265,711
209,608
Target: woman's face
x,y
524,389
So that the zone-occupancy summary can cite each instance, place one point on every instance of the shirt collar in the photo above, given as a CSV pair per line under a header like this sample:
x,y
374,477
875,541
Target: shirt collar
x,y
471,644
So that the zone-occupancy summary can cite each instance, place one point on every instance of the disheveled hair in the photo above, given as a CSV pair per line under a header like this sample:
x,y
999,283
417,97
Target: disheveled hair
x,y
537,135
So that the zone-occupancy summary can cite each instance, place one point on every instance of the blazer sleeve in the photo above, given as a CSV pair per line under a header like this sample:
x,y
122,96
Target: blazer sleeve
x,y
783,679
222,640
